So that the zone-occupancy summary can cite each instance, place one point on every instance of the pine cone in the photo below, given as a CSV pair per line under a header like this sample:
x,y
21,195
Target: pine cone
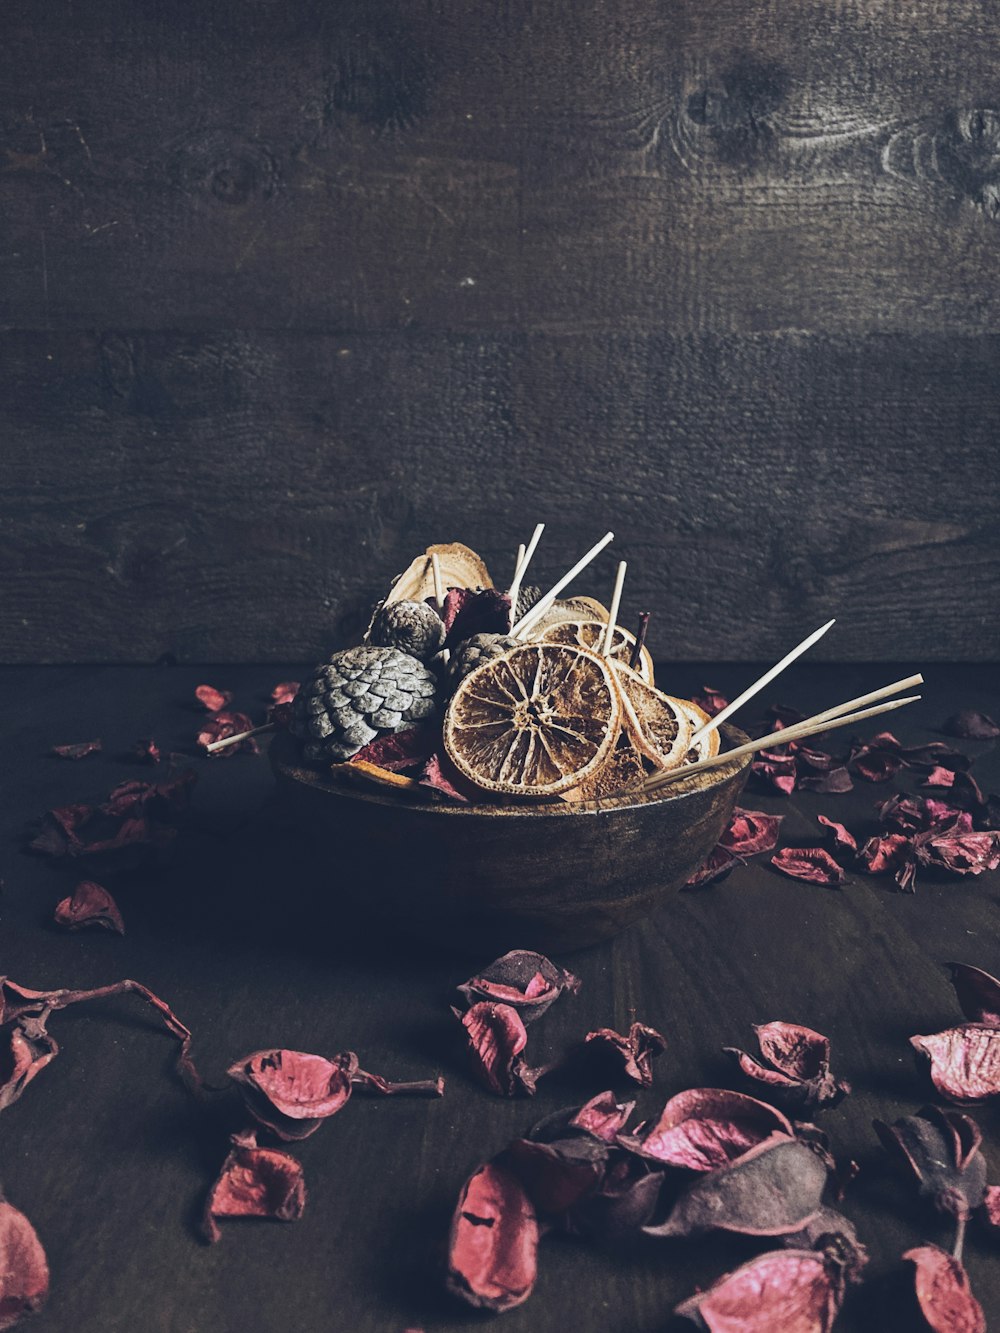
x,y
412,627
359,694
481,648
526,599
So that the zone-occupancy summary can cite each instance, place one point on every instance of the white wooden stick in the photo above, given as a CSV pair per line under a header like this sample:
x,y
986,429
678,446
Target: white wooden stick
x,y
520,557
540,608
863,700
810,727
616,601
240,736
523,560
438,585
710,726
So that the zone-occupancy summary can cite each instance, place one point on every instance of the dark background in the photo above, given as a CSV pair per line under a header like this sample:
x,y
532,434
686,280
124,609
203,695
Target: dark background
x,y
288,291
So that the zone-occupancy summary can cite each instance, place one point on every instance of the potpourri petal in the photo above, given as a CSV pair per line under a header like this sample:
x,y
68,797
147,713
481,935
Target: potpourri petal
x,y
493,1248
213,700
702,1129
219,727
528,982
978,993
840,836
943,1293
815,865
89,904
631,1055
255,1182
796,1291
797,1068
496,1036
964,1061
24,1269
751,832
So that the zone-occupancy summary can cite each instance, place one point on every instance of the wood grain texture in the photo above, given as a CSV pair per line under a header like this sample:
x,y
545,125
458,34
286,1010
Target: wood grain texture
x,y
249,495
243,933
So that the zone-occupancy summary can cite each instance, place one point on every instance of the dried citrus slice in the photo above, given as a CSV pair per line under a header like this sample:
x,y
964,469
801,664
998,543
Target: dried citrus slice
x,y
657,725
589,634
708,747
621,772
534,722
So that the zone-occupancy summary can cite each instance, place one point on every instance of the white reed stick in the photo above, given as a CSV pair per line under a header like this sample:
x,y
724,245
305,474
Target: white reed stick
x,y
540,608
616,601
863,700
240,736
520,557
810,727
438,585
523,560
708,727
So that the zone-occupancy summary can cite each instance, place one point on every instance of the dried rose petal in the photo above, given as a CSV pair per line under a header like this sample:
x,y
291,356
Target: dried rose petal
x,y
843,839
829,782
904,814
877,760
978,993
943,1292
777,771
528,982
990,1211
285,692
971,725
631,1056
939,777
797,1291
399,750
255,1182
799,1076
603,1117
496,1037
935,755
493,1248
751,832
815,865
24,1270
89,905
964,1061
771,1190
943,812
880,855
719,863
957,851
467,612
940,1151
292,1092
79,750
29,1050
710,700
219,727
213,700
706,1128
441,777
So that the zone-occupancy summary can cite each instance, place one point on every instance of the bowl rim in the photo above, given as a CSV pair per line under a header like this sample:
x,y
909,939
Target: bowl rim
x,y
681,790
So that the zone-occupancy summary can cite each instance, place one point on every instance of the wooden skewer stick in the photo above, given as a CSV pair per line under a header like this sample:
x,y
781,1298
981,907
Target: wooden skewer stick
x,y
438,584
240,736
524,558
540,608
640,640
759,684
520,557
863,700
616,601
810,727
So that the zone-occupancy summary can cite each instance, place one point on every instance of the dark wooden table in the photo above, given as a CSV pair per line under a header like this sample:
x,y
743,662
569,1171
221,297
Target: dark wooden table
x,y
111,1159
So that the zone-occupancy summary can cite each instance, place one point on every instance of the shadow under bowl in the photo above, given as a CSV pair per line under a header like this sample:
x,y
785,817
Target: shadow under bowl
x,y
550,876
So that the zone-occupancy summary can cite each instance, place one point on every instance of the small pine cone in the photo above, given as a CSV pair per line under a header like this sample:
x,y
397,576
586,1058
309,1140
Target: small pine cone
x,y
481,648
412,627
359,694
526,599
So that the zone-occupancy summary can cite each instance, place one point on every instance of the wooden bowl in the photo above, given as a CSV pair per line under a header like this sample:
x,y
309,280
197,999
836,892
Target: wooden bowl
x,y
552,876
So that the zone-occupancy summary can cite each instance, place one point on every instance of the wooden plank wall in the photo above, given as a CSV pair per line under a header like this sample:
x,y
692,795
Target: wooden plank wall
x,y
288,290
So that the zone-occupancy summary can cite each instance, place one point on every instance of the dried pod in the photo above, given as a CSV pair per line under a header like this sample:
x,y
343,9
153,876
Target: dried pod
x,y
24,1270
255,1182
496,1037
528,982
943,1294
291,1092
702,1129
964,1061
797,1069
493,1249
830,1232
790,1290
623,1202
629,1056
939,1150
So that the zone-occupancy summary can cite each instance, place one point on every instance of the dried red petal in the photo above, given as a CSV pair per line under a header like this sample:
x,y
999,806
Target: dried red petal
x,y
904,814
496,1037
219,727
29,1050
213,700
493,1248
710,700
255,1182
777,771
632,1055
780,716
147,751
799,1076
939,777
771,1190
78,750
706,1128
24,1270
990,1210
978,993
877,760
964,1061
879,856
935,755
89,905
815,865
751,832
399,750
717,866
971,725
623,1202
843,839
528,982
441,776
603,1117
943,1292
467,612
957,851
292,1092
285,692
796,1291
832,782
559,1174
136,819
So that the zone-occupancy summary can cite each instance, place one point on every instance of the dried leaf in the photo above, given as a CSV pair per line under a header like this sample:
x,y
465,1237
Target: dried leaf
x,y
496,1037
815,865
719,863
255,1182
89,905
943,1292
292,1092
773,1189
78,750
528,982
795,1291
24,1270
493,1249
442,778
710,700
213,700
399,750
797,1068
751,832
971,725
702,1129
842,838
631,1056
964,1061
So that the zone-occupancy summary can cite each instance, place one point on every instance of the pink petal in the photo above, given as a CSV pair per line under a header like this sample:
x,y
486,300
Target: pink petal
x,y
705,1128
794,1291
256,1182
964,1061
796,1051
751,832
815,865
24,1270
493,1249
943,1293
89,905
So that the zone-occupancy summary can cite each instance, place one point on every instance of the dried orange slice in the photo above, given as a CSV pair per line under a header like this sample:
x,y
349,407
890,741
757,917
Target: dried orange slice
x,y
621,772
534,722
590,633
708,746
657,725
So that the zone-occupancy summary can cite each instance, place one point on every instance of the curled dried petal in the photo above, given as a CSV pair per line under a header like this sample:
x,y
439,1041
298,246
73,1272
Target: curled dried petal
x,y
623,1202
213,700
24,1270
943,1292
776,771
29,1050
493,1249
603,1117
76,750
842,838
528,982
718,864
751,832
255,1182
467,612
89,905
496,1037
706,1128
292,1092
285,692
971,725
557,1175
798,1291
632,1055
964,1061
397,751
710,700
799,1076
815,865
